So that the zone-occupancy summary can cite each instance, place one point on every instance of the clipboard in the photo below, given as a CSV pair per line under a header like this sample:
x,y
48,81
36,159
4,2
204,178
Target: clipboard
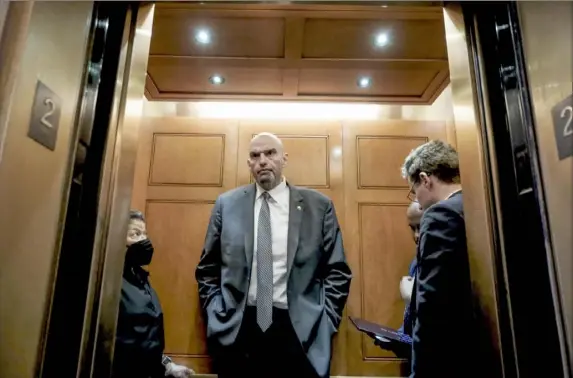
x,y
379,332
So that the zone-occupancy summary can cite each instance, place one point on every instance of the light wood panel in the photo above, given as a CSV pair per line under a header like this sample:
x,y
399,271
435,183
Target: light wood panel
x,y
352,38
235,37
178,230
182,166
356,164
187,159
386,249
379,245
298,52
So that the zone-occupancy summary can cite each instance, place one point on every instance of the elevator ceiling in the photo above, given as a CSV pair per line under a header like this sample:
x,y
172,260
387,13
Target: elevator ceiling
x,y
297,52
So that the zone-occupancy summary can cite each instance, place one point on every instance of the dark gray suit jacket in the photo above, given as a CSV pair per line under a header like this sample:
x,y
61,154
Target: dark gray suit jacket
x,y
443,322
318,281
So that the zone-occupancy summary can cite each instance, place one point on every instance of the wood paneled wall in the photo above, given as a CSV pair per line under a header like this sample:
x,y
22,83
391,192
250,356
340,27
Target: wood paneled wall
x,y
184,163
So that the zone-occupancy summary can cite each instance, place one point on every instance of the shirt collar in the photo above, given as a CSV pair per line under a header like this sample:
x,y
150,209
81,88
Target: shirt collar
x,y
455,192
277,190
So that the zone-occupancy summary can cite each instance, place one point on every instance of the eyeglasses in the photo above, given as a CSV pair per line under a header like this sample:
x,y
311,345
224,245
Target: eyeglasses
x,y
411,194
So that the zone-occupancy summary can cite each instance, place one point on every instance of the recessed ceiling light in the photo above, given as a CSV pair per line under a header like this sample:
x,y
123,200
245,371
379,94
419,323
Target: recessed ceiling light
x,y
382,39
364,82
203,36
216,79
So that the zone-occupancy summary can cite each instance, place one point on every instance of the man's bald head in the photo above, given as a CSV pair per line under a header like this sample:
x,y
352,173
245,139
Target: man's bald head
x,y
414,210
414,215
267,138
266,160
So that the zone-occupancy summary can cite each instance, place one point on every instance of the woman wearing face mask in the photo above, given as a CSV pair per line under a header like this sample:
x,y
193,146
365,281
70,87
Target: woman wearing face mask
x,y
140,340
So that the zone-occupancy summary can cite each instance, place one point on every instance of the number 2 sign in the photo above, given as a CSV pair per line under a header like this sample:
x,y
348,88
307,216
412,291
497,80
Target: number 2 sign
x,y
45,118
563,124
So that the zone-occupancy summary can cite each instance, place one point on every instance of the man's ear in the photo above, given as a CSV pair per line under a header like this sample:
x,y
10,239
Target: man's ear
x,y
424,179
285,159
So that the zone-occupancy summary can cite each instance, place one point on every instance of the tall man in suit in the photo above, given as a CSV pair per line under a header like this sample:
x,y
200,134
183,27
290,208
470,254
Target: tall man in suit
x,y
442,311
273,278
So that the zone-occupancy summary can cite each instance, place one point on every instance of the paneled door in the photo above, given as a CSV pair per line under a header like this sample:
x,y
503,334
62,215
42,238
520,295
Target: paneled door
x,y
378,242
183,165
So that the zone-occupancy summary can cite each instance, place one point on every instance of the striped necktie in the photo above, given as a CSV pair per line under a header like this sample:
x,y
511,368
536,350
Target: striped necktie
x,y
264,266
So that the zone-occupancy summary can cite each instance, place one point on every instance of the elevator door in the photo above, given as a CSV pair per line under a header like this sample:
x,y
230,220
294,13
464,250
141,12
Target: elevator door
x,y
516,123
33,178
547,33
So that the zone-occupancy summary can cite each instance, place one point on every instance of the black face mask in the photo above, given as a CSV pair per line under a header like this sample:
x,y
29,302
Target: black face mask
x,y
139,254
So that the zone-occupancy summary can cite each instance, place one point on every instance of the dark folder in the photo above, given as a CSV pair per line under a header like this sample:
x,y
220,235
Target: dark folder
x,y
377,331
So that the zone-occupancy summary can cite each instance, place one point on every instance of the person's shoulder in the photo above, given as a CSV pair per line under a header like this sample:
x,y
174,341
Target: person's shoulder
x,y
456,203
445,210
233,194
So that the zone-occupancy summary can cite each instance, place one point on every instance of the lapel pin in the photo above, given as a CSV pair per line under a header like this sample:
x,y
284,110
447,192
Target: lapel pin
x,y
299,208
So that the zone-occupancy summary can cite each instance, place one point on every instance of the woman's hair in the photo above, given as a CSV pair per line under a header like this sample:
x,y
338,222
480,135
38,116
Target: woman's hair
x,y
136,214
435,158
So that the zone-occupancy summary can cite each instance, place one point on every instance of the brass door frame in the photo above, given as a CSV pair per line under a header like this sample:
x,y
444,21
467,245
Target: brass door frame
x,y
13,34
481,188
3,13
514,130
115,193
475,175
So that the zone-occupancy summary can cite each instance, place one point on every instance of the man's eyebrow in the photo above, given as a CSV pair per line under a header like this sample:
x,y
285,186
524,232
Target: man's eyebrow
x,y
266,151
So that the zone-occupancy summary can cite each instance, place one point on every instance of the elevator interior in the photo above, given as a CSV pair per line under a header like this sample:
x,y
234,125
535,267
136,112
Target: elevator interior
x,y
347,87
218,74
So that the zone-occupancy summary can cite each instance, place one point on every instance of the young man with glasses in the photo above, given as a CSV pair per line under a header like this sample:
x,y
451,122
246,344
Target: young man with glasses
x,y
442,320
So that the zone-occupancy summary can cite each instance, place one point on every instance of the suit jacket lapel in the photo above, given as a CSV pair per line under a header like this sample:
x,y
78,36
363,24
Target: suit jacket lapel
x,y
248,206
296,210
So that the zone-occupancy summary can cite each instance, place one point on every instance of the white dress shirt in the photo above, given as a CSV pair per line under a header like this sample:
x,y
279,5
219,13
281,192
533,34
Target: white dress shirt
x,y
279,211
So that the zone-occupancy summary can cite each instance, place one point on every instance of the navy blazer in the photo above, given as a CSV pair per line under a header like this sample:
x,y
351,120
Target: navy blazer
x,y
443,325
